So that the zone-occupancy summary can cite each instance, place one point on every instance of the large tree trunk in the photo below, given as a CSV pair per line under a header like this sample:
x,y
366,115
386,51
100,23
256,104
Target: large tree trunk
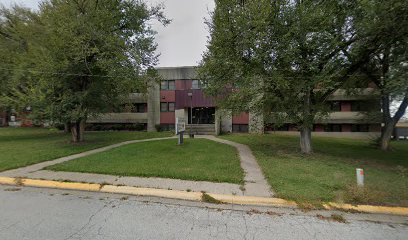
x,y
390,122
386,133
77,131
306,140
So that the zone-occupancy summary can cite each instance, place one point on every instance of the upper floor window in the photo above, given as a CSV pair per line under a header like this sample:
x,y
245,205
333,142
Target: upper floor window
x,y
360,106
140,107
335,106
198,84
168,85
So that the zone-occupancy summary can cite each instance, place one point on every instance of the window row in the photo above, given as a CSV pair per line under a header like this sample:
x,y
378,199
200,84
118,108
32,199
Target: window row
x,y
353,106
131,108
342,128
324,127
198,84
168,85
171,84
167,106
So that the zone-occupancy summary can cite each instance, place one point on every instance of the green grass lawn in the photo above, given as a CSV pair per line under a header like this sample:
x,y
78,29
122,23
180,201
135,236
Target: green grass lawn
x,y
197,159
329,173
25,146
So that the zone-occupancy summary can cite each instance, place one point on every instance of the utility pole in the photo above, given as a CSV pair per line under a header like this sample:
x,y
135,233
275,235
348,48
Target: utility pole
x,y
190,94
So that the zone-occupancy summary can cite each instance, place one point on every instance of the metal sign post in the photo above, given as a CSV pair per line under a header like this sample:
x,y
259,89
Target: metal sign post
x,y
180,128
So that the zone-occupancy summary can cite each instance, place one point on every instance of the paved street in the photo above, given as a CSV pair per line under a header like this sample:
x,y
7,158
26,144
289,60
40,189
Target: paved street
x,y
34,213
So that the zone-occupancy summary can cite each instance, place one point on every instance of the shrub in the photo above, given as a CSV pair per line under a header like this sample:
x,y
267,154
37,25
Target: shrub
x,y
158,127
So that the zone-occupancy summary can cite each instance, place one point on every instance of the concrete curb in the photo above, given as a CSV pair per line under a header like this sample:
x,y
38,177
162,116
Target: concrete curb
x,y
193,196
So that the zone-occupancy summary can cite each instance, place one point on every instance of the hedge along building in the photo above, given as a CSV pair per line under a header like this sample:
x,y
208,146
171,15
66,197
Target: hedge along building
x,y
180,95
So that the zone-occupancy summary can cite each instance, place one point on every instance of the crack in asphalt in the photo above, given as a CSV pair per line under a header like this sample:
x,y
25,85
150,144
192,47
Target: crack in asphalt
x,y
89,221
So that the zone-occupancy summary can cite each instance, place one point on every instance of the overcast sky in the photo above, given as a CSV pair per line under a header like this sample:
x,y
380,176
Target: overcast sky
x,y
183,41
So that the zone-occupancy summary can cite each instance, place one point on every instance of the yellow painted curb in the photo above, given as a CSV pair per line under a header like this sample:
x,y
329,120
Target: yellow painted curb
x,y
8,181
50,184
62,185
248,200
368,208
192,196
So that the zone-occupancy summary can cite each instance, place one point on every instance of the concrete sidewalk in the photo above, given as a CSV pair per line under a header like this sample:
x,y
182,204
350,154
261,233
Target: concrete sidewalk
x,y
255,183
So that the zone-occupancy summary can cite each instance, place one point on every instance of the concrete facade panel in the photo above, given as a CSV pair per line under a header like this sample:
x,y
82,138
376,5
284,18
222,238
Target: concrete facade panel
x,y
177,73
153,106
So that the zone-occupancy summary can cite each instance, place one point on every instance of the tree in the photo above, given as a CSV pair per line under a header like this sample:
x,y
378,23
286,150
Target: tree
x,y
383,41
87,57
282,59
16,29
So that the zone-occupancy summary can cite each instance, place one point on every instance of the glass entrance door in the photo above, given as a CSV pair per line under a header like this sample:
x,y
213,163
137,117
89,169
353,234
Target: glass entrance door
x,y
202,115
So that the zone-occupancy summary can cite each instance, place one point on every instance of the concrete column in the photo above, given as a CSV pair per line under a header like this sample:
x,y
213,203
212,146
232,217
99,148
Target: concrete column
x,y
225,117
256,123
153,106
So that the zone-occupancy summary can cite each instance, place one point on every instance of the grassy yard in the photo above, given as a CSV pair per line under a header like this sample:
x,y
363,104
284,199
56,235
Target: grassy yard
x,y
25,146
329,174
197,159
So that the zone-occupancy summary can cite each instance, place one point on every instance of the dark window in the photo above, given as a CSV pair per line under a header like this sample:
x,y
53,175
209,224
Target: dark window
x,y
172,85
164,85
167,127
198,84
172,106
140,107
332,128
359,128
284,127
360,106
167,107
163,107
195,84
168,85
335,106
240,128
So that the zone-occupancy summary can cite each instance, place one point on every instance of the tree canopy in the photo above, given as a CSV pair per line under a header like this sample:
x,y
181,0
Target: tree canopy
x,y
80,57
281,56
283,59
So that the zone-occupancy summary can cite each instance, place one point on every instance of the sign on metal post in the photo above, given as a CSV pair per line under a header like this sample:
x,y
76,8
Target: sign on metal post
x,y
180,125
180,128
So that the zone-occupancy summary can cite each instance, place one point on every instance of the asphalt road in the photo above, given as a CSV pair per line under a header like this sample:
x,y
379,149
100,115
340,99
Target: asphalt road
x,y
34,213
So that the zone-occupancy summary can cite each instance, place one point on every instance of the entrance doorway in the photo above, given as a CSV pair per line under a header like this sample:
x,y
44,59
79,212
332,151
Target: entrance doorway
x,y
202,115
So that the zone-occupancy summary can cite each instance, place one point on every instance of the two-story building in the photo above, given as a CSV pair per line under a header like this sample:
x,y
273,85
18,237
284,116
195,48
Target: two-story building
x,y
180,95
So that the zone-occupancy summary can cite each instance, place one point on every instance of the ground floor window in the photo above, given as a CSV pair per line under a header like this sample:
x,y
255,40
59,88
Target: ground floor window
x,y
167,127
239,127
332,128
359,128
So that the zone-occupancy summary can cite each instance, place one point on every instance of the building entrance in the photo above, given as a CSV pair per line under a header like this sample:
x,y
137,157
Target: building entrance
x,y
202,115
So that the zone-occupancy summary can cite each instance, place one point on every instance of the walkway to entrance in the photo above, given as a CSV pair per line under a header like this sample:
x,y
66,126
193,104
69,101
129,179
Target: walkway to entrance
x,y
255,183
